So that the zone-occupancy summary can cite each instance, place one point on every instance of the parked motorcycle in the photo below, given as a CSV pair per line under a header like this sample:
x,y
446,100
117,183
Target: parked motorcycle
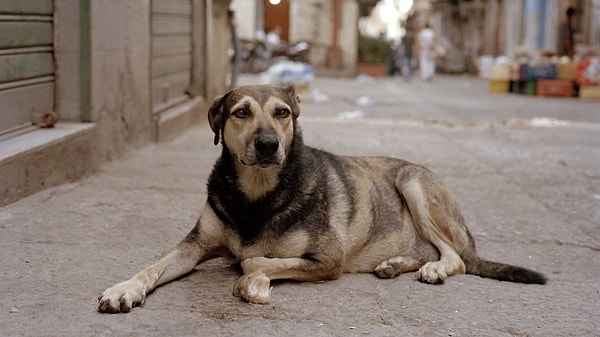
x,y
297,51
258,56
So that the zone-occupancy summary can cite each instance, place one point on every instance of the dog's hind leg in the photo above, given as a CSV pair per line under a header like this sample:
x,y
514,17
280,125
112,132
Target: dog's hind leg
x,y
437,219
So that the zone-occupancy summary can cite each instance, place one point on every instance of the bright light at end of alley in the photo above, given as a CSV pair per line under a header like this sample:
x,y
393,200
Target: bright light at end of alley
x,y
385,19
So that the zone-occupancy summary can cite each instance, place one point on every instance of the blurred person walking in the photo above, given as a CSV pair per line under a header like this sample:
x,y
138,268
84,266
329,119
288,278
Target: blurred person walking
x,y
408,41
566,33
426,39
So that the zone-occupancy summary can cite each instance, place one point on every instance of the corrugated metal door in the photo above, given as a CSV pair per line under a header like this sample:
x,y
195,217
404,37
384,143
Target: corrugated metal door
x,y
171,52
26,61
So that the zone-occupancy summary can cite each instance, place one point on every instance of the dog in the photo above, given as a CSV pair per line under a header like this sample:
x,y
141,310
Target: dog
x,y
285,210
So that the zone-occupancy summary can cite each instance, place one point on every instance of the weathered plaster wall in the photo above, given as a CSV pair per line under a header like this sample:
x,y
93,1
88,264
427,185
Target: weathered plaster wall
x,y
120,82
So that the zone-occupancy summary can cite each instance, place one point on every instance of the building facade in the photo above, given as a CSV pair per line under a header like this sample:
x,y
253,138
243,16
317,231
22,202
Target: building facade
x,y
112,75
506,27
330,27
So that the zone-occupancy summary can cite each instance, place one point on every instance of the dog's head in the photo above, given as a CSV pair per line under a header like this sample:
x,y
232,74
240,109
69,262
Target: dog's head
x,y
257,123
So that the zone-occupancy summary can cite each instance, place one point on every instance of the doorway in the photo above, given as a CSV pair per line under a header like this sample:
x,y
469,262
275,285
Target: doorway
x,y
277,13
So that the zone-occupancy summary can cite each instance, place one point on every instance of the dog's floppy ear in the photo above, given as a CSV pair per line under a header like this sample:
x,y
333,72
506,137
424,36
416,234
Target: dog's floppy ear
x,y
290,91
216,116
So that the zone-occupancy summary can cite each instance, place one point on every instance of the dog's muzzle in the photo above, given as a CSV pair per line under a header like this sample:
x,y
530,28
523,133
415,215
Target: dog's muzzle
x,y
266,150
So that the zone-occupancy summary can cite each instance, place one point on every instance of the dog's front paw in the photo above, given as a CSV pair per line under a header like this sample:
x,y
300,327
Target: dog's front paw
x,y
254,287
122,297
432,272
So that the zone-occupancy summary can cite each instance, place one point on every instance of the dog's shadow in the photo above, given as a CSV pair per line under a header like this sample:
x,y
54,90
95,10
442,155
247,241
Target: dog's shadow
x,y
212,282
226,270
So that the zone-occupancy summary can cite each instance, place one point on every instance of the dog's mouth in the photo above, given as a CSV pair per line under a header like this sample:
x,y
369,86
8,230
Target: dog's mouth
x,y
262,163
264,151
266,164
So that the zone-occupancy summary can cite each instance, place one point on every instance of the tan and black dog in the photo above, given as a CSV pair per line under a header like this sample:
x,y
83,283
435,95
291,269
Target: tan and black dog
x,y
288,211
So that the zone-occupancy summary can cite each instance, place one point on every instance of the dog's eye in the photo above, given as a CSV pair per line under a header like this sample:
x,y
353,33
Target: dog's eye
x,y
282,113
241,113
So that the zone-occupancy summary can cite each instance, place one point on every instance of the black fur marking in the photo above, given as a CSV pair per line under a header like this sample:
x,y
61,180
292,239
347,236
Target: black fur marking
x,y
299,200
194,234
310,257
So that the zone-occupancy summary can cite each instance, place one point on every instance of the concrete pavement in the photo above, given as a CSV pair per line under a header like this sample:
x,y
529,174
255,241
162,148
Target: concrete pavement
x,y
529,188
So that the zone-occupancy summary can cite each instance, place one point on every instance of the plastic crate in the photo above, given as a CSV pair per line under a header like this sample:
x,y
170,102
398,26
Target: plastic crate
x,y
529,87
529,72
560,88
499,86
517,87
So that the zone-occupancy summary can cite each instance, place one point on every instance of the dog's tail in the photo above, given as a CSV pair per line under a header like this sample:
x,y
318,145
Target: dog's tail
x,y
501,271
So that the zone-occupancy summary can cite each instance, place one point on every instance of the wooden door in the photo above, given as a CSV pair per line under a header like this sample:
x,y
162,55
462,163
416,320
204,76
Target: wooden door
x,y
278,15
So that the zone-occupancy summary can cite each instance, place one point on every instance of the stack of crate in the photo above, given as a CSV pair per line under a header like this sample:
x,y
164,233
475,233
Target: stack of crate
x,y
543,79
520,84
561,85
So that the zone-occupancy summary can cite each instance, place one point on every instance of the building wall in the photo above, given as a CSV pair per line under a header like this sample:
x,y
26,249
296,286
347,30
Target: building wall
x,y
246,18
348,34
103,66
312,21
219,42
119,74
504,27
67,58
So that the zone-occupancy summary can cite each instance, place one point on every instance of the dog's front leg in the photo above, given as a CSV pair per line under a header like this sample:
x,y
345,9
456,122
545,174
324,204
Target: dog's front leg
x,y
201,243
255,286
125,295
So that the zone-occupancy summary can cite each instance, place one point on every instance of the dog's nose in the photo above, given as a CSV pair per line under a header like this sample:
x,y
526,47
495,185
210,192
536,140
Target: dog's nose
x,y
266,144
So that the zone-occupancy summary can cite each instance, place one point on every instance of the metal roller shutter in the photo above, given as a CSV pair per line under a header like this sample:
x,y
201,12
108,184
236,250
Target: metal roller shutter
x,y
171,52
26,61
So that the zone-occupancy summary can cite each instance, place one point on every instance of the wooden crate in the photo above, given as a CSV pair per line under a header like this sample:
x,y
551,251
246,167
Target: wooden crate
x,y
560,88
499,87
566,71
589,91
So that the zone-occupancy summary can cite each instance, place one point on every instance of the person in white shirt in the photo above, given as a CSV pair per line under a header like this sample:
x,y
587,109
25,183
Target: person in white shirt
x,y
426,39
273,38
